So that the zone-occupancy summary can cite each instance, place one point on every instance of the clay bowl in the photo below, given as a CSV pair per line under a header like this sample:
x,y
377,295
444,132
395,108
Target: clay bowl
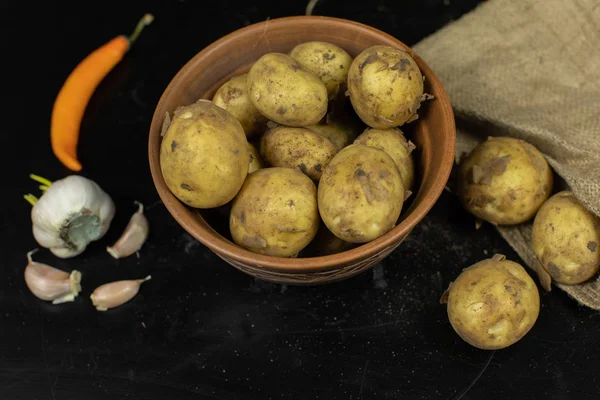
x,y
433,133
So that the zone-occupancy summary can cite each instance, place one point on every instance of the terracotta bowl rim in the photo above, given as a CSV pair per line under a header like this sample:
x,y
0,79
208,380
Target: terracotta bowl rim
x,y
224,247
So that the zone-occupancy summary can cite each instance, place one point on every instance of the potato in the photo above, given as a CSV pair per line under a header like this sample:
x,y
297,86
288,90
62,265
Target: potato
x,y
204,155
299,148
326,60
256,161
285,92
233,97
385,87
566,239
325,243
504,181
335,133
493,303
275,212
341,124
393,142
360,194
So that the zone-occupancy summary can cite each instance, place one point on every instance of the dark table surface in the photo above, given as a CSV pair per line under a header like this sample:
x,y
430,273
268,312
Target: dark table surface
x,y
201,329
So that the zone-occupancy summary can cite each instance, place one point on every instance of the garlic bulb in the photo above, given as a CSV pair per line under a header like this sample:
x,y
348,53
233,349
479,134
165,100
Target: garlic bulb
x,y
71,213
114,294
51,284
133,237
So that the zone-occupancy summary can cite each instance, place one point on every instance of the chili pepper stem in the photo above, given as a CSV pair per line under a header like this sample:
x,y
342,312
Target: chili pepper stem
x,y
31,199
145,21
42,180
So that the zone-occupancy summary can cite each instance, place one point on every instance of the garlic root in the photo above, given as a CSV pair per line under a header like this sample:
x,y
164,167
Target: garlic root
x,y
134,236
114,294
51,284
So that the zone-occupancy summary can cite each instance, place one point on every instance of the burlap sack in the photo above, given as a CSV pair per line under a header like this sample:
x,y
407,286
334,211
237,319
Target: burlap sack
x,y
529,69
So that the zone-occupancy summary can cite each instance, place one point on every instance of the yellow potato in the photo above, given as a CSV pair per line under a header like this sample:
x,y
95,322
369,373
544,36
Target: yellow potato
x,y
326,243
328,61
504,181
233,97
385,87
341,124
566,239
360,194
493,303
299,148
393,142
256,161
204,155
335,133
275,212
285,92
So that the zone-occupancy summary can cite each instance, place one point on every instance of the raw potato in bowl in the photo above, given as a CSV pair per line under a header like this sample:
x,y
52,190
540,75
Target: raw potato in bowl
x,y
204,155
385,86
285,92
326,60
360,194
335,133
298,148
341,124
326,243
256,161
393,142
233,97
275,212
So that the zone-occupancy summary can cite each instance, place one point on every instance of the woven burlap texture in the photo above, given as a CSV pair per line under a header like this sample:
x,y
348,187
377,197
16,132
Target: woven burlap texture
x,y
531,70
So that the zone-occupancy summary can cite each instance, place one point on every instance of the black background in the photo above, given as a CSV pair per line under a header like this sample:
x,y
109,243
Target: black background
x,y
200,329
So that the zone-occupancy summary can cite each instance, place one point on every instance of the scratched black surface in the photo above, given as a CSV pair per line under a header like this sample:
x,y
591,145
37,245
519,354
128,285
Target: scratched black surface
x,y
200,329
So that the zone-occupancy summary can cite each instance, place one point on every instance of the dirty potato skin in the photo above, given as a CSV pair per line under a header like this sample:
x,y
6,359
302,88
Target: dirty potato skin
x,y
493,303
285,92
298,148
326,243
385,87
336,133
393,142
204,155
341,124
360,194
256,161
275,212
233,97
504,181
566,239
326,60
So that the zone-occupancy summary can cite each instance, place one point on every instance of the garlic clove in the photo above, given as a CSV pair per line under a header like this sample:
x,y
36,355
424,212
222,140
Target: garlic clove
x,y
51,284
114,294
133,237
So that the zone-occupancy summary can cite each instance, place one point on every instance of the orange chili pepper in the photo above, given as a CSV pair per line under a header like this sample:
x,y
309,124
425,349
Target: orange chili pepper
x,y
72,100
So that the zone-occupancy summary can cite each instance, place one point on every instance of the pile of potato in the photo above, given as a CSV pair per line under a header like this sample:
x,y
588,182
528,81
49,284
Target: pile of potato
x,y
507,181
285,146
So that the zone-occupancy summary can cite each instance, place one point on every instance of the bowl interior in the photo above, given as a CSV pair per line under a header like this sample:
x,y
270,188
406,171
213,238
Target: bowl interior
x,y
433,133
